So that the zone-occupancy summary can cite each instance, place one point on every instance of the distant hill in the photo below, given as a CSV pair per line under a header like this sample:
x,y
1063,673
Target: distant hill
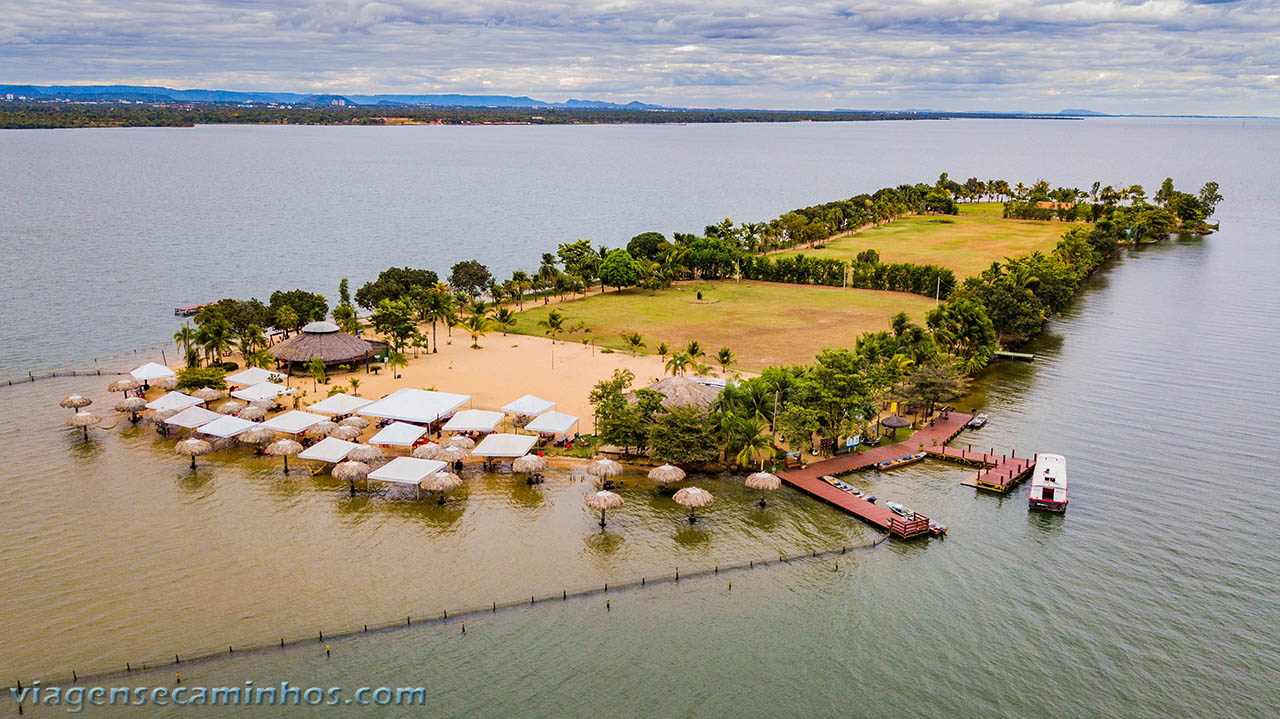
x,y
1082,113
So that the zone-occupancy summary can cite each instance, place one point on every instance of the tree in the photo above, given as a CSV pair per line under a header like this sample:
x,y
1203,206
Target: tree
x,y
345,317
214,338
437,307
316,368
724,357
250,339
396,361
647,245
620,270
504,319
355,385
193,378
287,319
694,350
394,321
477,324
393,283
580,259
941,203
470,278
663,350
932,383
1209,198
633,341
259,358
552,324
308,306
678,363
798,424
185,338
752,441
240,314
684,434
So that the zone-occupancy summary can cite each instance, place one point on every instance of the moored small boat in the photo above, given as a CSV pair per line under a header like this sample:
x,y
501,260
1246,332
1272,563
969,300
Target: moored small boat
x,y
938,530
1049,484
978,421
846,487
900,510
902,461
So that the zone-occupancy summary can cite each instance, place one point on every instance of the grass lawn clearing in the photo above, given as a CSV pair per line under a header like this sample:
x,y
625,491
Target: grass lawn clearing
x,y
966,243
763,323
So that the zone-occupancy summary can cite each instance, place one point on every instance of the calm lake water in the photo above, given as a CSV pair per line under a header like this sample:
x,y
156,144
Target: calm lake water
x,y
1154,596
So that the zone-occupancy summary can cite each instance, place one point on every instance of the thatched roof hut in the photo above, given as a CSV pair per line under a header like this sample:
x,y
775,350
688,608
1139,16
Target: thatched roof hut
x,y
682,392
323,340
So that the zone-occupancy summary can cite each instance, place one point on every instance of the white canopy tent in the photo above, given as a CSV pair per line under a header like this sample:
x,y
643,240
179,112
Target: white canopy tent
x,y
330,449
176,401
192,417
406,471
473,420
151,371
339,404
529,406
414,405
225,426
504,445
293,421
400,434
552,423
252,376
262,390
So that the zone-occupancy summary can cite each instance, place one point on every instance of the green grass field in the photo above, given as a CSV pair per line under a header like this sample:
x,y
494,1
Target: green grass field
x,y
763,323
967,243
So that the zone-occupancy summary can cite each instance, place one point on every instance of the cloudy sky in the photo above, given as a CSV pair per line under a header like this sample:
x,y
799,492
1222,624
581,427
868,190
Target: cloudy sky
x,y
1139,56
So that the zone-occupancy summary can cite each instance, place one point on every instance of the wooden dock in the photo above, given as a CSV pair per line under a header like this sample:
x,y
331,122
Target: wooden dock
x,y
997,472
809,479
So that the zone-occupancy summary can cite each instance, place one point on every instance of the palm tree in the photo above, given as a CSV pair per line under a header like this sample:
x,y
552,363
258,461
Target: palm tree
x,y
251,339
725,358
215,338
286,319
520,284
694,350
396,361
553,324
678,363
258,358
185,338
633,341
477,324
355,385
663,350
504,319
316,368
753,436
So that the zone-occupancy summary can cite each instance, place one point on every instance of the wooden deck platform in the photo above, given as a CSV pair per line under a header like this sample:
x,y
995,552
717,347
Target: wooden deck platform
x,y
809,479
997,472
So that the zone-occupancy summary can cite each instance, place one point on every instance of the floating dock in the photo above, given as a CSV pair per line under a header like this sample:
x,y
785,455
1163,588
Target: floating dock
x,y
1020,356
188,310
996,473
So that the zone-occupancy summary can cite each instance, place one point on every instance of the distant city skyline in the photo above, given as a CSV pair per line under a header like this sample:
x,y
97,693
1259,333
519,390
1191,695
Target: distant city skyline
x,y
1149,57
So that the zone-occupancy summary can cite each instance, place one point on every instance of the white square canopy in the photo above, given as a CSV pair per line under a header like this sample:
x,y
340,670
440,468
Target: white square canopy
x,y
175,400
329,449
150,371
473,420
293,421
401,434
552,423
225,426
340,404
252,376
414,405
504,445
406,470
262,390
192,417
529,406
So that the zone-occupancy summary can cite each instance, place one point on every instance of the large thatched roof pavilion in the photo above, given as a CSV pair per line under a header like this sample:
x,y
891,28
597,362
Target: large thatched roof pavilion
x,y
323,340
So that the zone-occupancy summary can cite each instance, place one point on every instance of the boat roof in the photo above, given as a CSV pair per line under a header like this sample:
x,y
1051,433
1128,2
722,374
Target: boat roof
x,y
1051,470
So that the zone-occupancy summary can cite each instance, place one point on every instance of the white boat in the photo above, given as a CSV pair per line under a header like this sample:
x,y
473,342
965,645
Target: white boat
x,y
1049,483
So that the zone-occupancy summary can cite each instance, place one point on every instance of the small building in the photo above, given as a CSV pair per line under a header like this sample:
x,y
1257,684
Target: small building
x,y
325,341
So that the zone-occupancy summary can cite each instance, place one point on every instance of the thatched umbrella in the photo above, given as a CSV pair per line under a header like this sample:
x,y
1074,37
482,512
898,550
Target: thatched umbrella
x,y
762,481
365,453
602,500
232,407
252,413
255,436
441,482
266,405
192,448
284,448
604,468
357,422
460,442
160,416
132,405
666,474
453,454
894,423
207,394
430,450
692,497
350,471
529,463
124,385
345,433
321,429
83,420
167,383
75,402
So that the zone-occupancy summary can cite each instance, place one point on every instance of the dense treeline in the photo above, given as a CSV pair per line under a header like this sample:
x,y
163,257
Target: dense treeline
x,y
69,115
865,273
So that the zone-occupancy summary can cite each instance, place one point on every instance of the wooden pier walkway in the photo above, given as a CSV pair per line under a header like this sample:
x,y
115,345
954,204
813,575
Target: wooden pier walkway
x,y
997,473
809,479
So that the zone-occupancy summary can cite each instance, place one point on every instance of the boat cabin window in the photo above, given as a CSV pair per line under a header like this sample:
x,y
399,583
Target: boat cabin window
x,y
1047,494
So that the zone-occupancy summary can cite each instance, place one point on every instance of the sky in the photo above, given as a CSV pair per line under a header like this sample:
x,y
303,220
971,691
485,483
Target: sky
x,y
1119,56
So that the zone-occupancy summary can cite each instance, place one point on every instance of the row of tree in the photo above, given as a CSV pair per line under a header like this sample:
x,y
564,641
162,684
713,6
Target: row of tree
x,y
865,272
